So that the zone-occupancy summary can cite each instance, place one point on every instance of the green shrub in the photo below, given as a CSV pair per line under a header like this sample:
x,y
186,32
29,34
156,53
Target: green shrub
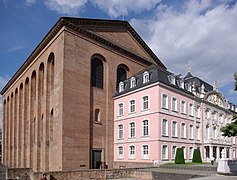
x,y
179,157
197,156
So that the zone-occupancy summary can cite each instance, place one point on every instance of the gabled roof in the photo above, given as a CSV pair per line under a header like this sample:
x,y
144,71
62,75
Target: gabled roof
x,y
91,28
94,28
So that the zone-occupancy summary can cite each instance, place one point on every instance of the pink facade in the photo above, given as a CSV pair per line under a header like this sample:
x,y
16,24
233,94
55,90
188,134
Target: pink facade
x,y
150,122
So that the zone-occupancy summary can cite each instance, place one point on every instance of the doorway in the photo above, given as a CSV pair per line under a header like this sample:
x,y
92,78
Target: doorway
x,y
96,159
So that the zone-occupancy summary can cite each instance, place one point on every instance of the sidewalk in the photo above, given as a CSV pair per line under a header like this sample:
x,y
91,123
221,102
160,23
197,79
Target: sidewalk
x,y
217,177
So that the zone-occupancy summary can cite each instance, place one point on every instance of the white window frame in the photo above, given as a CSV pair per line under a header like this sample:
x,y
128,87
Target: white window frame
x,y
190,152
191,131
174,103
185,153
183,130
183,107
164,99
120,155
132,152
166,127
145,128
207,132
190,109
120,131
145,155
132,130
221,118
120,109
208,113
198,112
164,156
181,83
132,82
173,151
174,129
132,107
171,79
188,87
145,103
198,132
145,77
121,86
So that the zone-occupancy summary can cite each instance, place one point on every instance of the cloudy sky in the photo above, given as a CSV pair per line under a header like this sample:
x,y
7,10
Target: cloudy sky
x,y
201,34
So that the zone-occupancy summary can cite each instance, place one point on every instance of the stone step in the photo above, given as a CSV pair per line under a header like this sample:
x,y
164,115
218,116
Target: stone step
x,y
190,167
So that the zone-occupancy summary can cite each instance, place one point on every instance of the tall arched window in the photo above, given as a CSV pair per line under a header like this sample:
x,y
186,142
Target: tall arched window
x,y
97,115
121,73
97,73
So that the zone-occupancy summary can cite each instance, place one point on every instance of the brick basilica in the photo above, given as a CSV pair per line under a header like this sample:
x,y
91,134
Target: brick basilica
x,y
58,107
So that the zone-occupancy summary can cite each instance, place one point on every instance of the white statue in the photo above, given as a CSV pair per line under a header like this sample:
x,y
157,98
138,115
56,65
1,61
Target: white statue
x,y
223,154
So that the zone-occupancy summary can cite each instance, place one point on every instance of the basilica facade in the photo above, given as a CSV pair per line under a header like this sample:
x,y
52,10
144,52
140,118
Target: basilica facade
x,y
58,107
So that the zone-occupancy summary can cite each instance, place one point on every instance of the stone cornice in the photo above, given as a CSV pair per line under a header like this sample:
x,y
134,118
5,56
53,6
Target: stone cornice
x,y
108,43
115,24
79,25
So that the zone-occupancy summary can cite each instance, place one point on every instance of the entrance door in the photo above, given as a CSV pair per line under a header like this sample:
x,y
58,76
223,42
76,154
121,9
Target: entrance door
x,y
214,152
96,159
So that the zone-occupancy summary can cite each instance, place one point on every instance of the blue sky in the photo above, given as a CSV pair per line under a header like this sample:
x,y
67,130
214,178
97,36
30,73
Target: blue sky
x,y
201,34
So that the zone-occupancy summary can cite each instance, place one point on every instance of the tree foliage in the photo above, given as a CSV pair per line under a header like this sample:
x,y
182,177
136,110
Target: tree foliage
x,y
230,130
179,157
197,156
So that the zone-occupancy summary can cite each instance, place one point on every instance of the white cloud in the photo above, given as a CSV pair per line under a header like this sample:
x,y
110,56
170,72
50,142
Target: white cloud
x,y
30,2
14,49
116,8
202,35
3,81
71,7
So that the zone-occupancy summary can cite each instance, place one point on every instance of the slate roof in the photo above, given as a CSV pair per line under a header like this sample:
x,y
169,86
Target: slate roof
x,y
198,82
157,74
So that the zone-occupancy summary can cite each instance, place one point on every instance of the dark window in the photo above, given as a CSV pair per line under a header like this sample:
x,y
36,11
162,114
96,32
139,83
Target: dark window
x,y
121,74
97,73
97,115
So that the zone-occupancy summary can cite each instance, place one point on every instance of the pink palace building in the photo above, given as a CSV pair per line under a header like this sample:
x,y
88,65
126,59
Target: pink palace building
x,y
156,111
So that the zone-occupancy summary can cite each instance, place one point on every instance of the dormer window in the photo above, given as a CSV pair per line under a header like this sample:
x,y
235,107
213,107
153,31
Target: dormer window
x,y
188,87
171,79
132,82
145,77
121,86
228,105
203,89
181,85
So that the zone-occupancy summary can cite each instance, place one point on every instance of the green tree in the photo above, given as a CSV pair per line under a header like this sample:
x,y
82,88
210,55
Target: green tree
x,y
197,156
179,157
230,130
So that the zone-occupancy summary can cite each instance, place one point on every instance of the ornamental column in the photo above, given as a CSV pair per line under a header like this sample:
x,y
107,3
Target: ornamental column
x,y
211,152
217,152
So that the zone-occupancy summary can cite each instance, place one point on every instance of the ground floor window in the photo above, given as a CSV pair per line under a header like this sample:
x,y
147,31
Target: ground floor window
x,y
164,152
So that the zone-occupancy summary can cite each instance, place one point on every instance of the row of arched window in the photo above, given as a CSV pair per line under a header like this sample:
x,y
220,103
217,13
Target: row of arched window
x,y
22,126
97,72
